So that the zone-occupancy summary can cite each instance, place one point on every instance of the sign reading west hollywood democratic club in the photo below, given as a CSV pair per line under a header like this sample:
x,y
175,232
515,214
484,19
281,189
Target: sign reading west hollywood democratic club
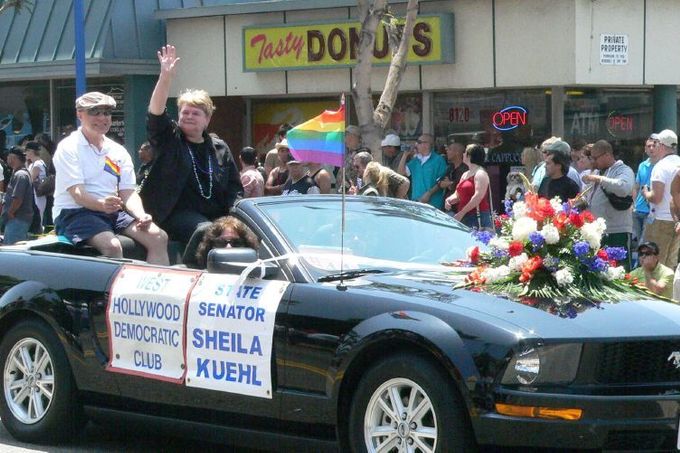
x,y
336,44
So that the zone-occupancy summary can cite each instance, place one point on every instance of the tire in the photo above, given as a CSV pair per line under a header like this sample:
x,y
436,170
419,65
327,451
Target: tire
x,y
437,423
38,402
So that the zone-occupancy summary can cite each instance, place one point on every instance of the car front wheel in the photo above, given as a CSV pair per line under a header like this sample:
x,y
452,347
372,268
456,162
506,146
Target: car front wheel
x,y
405,404
38,401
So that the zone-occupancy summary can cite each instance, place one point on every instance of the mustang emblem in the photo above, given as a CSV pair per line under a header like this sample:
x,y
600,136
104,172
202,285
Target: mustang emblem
x,y
674,358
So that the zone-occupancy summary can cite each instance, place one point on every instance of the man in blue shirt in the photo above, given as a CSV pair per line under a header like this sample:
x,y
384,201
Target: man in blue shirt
x,y
642,178
425,169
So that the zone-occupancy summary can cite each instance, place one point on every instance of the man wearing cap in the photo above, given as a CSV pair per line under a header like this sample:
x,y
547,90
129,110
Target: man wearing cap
x,y
556,144
271,160
662,228
17,210
651,273
391,151
187,188
279,175
556,183
299,183
95,194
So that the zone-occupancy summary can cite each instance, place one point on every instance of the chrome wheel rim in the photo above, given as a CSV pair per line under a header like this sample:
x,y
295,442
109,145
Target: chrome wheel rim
x,y
29,381
400,418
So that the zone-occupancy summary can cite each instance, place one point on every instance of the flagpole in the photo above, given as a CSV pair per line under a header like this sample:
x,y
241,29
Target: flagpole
x,y
341,286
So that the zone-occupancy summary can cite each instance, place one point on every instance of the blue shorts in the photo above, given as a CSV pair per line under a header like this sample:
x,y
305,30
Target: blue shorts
x,y
81,224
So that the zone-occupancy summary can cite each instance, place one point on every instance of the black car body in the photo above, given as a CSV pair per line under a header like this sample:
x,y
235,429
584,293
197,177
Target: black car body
x,y
389,357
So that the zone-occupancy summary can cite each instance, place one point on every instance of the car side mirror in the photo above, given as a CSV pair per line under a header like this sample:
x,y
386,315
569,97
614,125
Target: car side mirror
x,y
234,260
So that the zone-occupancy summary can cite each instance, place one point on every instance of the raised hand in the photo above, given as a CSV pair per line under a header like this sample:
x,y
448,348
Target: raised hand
x,y
168,59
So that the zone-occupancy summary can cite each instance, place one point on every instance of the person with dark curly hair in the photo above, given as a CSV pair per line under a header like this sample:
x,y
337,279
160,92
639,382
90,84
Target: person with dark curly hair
x,y
225,232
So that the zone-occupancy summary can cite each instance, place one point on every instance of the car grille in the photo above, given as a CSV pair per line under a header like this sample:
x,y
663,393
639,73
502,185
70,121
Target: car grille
x,y
644,362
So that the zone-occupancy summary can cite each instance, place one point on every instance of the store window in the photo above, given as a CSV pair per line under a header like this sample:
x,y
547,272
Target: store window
x,y
623,117
504,122
24,111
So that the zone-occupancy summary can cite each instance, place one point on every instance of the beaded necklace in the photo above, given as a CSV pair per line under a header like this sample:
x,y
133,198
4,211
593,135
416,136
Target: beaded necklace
x,y
209,173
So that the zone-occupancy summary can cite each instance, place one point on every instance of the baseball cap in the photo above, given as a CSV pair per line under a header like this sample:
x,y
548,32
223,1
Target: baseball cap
x,y
559,146
391,140
282,144
651,246
667,137
94,99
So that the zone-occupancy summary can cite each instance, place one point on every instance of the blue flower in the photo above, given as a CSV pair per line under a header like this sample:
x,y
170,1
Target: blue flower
x,y
597,265
566,207
581,248
483,236
498,253
537,240
551,263
508,206
616,253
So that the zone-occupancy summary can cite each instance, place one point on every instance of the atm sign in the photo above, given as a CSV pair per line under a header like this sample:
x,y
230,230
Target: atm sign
x,y
509,118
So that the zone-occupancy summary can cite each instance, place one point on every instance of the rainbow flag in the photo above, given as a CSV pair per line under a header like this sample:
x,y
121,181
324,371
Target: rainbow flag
x,y
112,167
321,139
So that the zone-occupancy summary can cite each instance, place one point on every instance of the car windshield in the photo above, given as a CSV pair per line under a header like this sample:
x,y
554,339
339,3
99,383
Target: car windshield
x,y
378,233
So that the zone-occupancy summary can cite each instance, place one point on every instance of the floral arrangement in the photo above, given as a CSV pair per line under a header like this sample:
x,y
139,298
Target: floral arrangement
x,y
546,248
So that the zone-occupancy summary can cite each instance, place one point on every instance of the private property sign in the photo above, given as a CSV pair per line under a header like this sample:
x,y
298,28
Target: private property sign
x,y
335,44
613,49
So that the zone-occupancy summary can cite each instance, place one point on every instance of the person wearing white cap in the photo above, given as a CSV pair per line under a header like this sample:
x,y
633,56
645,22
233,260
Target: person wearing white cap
x,y
95,194
391,151
663,228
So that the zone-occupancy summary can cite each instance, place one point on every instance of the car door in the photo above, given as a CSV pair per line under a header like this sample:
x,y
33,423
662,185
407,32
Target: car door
x,y
209,401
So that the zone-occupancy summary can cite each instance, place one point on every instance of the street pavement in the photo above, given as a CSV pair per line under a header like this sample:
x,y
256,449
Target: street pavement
x,y
96,438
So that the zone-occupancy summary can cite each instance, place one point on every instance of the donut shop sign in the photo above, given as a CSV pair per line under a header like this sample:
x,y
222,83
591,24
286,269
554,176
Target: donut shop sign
x,y
336,44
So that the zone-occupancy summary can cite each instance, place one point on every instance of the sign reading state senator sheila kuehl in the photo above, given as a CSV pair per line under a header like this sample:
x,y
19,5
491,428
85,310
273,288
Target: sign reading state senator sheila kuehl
x,y
230,334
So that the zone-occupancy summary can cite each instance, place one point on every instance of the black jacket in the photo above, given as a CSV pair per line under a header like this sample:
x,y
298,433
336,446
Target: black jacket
x,y
172,167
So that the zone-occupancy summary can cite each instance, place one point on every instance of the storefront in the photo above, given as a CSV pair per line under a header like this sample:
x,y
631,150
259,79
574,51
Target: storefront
x,y
37,69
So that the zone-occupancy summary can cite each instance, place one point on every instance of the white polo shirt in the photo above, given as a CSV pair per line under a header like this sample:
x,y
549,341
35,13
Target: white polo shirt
x,y
76,161
664,172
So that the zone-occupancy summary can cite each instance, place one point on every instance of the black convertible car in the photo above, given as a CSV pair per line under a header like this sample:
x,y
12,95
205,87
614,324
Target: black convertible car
x,y
371,349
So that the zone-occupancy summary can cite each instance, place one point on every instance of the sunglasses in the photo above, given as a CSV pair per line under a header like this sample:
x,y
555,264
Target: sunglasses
x,y
98,111
420,142
221,243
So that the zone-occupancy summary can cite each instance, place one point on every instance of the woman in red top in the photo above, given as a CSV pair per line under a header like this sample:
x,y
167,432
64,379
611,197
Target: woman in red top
x,y
472,192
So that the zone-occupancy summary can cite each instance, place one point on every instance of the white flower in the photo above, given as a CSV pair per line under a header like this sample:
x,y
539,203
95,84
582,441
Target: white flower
x,y
499,243
615,273
516,262
551,234
493,274
522,228
556,204
563,277
592,232
519,209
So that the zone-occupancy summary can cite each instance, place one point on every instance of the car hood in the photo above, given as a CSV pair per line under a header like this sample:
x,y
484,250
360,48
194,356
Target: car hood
x,y
546,318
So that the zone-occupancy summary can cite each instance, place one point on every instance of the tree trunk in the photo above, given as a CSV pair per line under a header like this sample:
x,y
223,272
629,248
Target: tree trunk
x,y
373,120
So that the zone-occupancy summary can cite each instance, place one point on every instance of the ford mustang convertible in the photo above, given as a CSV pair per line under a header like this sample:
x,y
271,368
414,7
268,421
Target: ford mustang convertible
x,y
319,340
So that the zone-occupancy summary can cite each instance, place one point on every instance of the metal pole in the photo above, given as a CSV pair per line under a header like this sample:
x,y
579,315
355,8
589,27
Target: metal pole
x,y
78,20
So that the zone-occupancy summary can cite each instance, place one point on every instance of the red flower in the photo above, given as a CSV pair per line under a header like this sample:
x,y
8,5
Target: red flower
x,y
576,220
515,248
612,263
626,277
497,222
587,216
475,277
532,265
540,209
602,253
473,254
560,220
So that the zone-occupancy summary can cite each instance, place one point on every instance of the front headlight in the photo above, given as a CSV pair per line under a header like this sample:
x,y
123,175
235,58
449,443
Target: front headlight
x,y
550,364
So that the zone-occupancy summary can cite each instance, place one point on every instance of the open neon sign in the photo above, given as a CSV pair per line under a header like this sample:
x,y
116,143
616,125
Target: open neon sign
x,y
509,118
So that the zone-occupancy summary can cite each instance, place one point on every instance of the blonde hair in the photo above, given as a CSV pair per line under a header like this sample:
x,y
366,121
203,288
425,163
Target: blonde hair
x,y
531,157
376,174
198,99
